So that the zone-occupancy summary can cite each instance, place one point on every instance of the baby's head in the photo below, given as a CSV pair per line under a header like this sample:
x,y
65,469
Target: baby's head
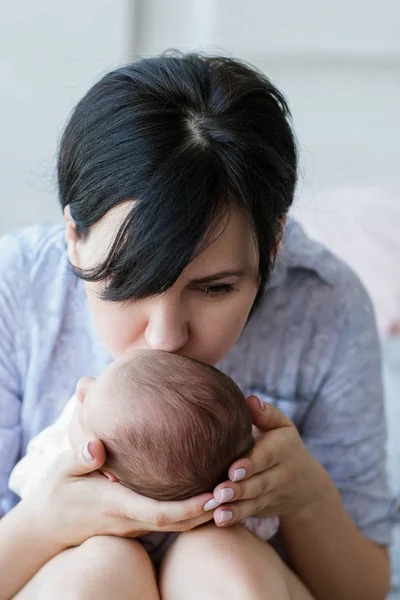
x,y
171,425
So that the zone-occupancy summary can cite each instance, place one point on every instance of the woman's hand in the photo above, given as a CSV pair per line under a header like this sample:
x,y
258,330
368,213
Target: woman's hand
x,y
280,478
75,502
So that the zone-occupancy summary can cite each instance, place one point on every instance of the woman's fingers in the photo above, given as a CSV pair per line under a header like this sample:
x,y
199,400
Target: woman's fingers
x,y
128,514
266,454
274,448
161,515
155,514
81,460
187,524
229,514
129,528
260,484
272,426
266,416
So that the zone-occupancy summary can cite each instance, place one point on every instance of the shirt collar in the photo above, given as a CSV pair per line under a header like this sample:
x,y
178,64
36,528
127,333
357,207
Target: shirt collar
x,y
297,251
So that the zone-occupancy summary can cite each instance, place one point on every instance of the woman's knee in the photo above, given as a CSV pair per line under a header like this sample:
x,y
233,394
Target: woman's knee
x,y
106,564
232,561
101,567
102,549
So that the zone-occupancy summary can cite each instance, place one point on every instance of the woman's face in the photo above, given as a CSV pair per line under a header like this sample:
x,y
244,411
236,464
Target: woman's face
x,y
201,316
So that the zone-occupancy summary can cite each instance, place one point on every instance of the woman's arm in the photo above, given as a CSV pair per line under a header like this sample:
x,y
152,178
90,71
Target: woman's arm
x,y
330,555
345,429
336,517
325,535
42,524
23,550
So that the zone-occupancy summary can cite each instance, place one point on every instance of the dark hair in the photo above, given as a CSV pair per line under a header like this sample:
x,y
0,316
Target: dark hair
x,y
191,137
179,426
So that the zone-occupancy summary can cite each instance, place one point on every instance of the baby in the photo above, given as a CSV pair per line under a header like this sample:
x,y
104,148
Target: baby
x,y
171,426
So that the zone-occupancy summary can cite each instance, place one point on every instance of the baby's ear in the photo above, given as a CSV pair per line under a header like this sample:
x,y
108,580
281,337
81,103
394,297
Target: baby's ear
x,y
82,387
257,433
109,475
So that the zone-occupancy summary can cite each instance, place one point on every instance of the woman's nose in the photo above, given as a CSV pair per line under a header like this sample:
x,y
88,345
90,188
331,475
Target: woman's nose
x,y
167,328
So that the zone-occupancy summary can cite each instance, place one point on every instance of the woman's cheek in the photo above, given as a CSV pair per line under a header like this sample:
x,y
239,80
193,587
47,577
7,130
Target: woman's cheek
x,y
220,333
115,325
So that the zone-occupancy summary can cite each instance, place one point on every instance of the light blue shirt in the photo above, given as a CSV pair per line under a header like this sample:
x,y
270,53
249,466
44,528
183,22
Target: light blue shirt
x,y
311,348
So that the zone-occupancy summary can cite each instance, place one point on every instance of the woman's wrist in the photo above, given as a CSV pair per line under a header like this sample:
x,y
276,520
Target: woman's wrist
x,y
24,549
37,525
324,492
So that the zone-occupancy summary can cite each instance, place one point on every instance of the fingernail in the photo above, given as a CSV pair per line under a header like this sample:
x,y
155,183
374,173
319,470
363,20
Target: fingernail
x,y
262,404
86,452
225,516
239,474
226,494
211,504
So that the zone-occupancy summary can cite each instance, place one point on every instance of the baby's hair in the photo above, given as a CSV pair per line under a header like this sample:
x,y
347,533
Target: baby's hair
x,y
192,424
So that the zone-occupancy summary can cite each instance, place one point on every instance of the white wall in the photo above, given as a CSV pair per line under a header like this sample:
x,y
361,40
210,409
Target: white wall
x,y
338,63
50,54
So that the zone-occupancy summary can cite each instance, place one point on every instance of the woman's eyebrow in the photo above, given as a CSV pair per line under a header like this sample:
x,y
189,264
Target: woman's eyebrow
x,y
220,275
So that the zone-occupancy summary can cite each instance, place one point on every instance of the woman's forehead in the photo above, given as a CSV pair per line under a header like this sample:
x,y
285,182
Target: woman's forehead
x,y
231,247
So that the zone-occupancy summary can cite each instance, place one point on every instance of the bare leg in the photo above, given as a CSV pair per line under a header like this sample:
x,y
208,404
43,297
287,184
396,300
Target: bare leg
x,y
102,567
210,562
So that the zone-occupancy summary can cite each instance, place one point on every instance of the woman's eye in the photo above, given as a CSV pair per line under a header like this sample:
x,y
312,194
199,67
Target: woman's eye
x,y
217,290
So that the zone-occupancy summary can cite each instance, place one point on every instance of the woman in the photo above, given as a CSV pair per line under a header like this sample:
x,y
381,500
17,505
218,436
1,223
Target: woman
x,y
176,175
